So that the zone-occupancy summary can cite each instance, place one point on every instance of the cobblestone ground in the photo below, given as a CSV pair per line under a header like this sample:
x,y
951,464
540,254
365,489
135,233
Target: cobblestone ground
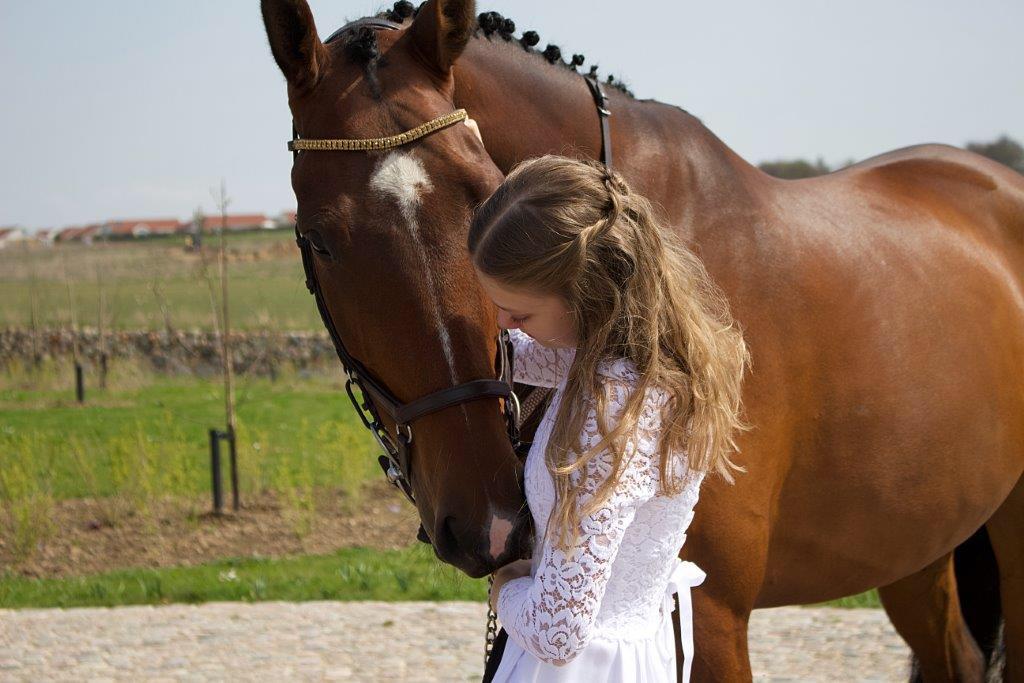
x,y
377,641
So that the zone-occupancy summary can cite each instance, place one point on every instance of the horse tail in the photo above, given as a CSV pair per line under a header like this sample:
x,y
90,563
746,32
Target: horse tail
x,y
977,584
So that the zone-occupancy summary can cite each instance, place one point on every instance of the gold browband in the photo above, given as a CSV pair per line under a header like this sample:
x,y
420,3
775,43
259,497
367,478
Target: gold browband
x,y
380,143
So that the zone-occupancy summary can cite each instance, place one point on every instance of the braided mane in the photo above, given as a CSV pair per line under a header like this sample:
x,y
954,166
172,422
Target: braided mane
x,y
361,44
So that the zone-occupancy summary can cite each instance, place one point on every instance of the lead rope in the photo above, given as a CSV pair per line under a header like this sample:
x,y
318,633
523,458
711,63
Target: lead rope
x,y
492,624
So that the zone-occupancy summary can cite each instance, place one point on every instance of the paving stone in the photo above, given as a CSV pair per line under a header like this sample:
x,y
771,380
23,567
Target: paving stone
x,y
415,642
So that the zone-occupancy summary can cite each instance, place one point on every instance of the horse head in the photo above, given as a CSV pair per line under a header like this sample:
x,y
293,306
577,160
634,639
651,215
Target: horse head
x,y
383,232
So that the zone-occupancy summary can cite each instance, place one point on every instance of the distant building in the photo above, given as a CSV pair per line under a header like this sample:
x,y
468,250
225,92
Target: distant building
x,y
286,219
10,235
63,234
239,222
44,236
149,227
142,227
81,233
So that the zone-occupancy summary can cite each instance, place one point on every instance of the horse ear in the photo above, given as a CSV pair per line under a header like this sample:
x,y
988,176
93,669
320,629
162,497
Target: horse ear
x,y
294,41
441,30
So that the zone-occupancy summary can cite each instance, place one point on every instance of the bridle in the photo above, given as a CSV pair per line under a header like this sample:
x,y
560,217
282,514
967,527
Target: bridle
x,y
396,460
397,451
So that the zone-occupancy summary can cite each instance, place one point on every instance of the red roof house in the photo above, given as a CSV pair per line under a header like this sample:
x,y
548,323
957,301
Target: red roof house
x,y
238,222
142,227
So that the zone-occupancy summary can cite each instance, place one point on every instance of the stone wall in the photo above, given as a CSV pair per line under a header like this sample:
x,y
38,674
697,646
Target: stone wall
x,y
195,352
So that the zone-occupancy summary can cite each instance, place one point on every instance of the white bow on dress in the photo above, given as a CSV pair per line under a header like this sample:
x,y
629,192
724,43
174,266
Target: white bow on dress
x,y
685,576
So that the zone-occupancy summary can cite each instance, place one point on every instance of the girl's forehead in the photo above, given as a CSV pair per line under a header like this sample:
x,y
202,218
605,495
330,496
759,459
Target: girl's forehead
x,y
511,299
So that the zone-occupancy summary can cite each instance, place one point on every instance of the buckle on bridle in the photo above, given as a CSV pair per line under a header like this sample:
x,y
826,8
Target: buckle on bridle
x,y
408,429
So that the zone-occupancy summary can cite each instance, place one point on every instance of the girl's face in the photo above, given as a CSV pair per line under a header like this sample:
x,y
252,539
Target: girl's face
x,y
544,317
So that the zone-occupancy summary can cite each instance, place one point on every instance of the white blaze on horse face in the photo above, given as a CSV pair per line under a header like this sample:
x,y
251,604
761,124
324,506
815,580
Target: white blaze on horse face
x,y
401,176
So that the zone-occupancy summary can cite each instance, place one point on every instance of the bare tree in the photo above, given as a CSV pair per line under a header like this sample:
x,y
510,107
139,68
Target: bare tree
x,y
156,287
101,314
33,308
79,385
229,388
221,317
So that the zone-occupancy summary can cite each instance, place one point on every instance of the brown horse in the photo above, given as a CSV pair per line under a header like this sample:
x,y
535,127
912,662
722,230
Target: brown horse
x,y
882,304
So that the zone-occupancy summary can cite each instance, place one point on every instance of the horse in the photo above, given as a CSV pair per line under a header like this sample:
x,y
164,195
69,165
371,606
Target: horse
x,y
882,304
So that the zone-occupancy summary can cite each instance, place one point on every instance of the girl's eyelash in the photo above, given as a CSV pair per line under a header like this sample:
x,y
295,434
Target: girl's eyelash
x,y
520,320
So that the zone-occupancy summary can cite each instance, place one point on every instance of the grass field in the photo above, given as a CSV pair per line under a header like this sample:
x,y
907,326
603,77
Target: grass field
x,y
349,574
146,435
145,438
153,283
151,430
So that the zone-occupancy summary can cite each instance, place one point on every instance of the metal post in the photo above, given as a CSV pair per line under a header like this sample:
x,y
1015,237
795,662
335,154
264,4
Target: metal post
x,y
218,493
234,468
79,383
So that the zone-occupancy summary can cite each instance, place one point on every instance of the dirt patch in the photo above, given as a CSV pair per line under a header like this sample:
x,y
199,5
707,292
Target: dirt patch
x,y
176,535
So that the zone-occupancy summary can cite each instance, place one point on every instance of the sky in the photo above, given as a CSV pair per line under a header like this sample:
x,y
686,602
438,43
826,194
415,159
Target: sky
x,y
125,109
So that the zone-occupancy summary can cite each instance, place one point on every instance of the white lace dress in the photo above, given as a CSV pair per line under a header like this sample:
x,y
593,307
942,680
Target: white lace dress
x,y
604,611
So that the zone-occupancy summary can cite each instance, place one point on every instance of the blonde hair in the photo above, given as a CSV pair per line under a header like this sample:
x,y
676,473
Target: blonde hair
x,y
571,227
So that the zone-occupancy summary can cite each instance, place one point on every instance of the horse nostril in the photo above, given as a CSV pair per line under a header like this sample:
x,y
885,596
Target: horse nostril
x,y
446,541
463,548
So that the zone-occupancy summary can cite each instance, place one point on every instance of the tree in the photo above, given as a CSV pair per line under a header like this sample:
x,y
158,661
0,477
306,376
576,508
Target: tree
x,y
791,169
1005,150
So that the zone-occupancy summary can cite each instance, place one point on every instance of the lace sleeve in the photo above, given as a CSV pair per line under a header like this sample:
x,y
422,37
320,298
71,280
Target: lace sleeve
x,y
536,364
552,614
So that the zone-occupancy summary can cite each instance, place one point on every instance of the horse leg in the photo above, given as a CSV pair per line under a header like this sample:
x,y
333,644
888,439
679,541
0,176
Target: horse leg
x,y
720,641
1006,531
925,610
723,602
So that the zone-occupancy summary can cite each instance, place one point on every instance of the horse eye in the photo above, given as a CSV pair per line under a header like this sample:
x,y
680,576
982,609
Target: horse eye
x,y
316,241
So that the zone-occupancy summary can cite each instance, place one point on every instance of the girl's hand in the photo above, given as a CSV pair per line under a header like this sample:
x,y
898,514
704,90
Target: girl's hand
x,y
503,575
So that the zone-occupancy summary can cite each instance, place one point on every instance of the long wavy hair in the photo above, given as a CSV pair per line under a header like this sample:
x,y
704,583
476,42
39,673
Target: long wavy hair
x,y
573,228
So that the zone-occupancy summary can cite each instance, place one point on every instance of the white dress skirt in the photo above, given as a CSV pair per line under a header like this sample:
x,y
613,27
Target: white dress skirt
x,y
601,612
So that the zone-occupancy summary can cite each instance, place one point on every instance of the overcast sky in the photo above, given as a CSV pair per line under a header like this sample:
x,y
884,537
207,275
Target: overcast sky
x,y
127,109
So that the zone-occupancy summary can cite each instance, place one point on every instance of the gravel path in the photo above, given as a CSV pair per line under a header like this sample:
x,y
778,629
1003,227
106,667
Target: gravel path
x,y
377,641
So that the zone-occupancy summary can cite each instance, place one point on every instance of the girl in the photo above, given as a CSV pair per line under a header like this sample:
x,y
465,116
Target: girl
x,y
606,306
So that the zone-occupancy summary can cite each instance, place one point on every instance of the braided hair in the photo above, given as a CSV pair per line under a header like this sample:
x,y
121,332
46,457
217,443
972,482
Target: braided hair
x,y
576,229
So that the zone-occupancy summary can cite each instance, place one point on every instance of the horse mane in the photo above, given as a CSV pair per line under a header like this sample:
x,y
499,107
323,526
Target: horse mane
x,y
361,44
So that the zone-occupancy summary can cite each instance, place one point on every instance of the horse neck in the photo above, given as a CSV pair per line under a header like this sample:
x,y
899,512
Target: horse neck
x,y
526,107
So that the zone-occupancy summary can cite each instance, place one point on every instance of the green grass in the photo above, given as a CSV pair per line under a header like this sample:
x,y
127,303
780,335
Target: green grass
x,y
154,430
865,599
147,435
146,438
349,574
412,573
